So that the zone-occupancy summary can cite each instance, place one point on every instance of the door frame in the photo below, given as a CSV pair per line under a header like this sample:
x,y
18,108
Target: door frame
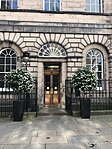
x,y
51,72
40,79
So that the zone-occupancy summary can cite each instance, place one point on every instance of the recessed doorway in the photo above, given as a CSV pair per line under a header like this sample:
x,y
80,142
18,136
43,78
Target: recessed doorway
x,y
52,83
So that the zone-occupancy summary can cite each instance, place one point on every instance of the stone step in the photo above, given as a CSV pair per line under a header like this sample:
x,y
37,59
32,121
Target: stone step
x,y
51,111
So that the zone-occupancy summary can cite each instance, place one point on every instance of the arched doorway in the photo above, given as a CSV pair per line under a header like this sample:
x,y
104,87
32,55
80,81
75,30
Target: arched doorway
x,y
52,73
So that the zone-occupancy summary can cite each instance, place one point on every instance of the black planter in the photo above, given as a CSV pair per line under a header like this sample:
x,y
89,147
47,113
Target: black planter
x,y
18,110
85,109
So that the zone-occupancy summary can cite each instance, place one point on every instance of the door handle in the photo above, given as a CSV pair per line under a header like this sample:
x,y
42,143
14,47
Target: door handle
x,y
51,91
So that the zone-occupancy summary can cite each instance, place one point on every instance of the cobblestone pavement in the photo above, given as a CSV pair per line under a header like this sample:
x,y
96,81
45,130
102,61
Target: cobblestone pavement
x,y
57,132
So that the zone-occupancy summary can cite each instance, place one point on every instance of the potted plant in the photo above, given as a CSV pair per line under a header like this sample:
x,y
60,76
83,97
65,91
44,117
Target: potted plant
x,y
84,80
20,81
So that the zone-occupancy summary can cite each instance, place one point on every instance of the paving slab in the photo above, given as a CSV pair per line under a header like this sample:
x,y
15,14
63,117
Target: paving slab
x,y
39,146
101,145
84,139
107,138
22,140
104,145
50,133
106,131
29,132
48,139
66,133
65,146
1,146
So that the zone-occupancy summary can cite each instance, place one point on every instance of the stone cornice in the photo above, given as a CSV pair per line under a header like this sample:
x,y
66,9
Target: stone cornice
x,y
54,27
56,12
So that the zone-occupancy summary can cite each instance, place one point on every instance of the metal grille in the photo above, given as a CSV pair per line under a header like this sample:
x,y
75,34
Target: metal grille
x,y
7,96
101,98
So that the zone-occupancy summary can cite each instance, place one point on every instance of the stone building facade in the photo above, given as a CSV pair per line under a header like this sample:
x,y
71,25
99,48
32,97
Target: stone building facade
x,y
59,42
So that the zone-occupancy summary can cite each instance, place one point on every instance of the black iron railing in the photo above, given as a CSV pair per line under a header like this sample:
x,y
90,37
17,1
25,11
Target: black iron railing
x,y
7,96
101,97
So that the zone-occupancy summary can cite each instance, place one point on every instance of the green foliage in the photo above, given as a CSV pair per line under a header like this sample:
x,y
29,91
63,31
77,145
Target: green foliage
x,y
20,80
84,80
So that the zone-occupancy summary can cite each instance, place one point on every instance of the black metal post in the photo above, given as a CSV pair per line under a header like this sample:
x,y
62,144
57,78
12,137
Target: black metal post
x,y
26,56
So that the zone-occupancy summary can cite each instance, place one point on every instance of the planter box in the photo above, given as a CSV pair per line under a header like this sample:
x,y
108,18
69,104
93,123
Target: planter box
x,y
85,109
18,110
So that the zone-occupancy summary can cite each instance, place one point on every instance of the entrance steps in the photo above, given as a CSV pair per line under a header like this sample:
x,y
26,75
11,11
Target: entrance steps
x,y
51,111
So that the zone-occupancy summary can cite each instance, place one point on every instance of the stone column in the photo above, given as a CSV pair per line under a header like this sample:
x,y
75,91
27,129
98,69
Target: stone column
x,y
63,70
40,83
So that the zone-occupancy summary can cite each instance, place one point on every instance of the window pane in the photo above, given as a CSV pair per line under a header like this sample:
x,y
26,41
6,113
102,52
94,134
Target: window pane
x,y
8,4
46,6
1,60
8,60
13,66
88,8
3,4
46,1
99,68
92,8
52,7
97,2
93,60
57,7
99,75
92,2
14,5
97,9
1,79
93,5
52,1
87,1
14,60
1,68
100,83
8,68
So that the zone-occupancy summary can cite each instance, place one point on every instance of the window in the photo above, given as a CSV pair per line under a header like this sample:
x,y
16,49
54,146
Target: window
x,y
94,61
52,5
7,63
52,50
8,4
94,6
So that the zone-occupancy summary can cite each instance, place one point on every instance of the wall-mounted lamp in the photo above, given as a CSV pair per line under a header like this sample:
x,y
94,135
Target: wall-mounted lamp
x,y
26,56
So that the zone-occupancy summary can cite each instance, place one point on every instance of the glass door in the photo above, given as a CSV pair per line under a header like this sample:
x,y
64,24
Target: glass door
x,y
52,87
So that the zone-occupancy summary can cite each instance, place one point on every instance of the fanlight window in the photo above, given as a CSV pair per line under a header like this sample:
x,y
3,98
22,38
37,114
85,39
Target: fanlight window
x,y
7,63
52,50
94,61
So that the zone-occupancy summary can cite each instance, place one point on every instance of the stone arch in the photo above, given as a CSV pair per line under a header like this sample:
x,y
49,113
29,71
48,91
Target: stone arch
x,y
95,39
12,45
53,38
12,37
15,40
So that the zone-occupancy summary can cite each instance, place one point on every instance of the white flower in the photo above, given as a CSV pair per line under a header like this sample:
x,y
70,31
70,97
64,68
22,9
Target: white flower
x,y
84,79
20,80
